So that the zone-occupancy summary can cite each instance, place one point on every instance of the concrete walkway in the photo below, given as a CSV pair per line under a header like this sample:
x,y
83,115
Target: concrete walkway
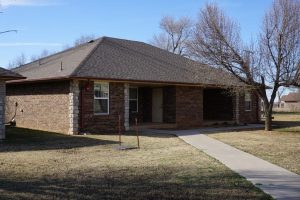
x,y
272,179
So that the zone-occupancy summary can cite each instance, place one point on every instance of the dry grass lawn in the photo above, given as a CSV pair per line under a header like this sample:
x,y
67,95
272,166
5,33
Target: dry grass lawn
x,y
281,146
40,165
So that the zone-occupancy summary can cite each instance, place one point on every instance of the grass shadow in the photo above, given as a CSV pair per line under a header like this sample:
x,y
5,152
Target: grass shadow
x,y
164,183
285,124
21,139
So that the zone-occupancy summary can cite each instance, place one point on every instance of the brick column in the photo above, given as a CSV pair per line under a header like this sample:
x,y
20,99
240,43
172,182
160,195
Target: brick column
x,y
189,107
126,106
74,107
2,110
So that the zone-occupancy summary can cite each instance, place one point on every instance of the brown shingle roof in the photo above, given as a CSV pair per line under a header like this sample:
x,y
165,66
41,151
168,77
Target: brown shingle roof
x,y
111,58
9,75
292,96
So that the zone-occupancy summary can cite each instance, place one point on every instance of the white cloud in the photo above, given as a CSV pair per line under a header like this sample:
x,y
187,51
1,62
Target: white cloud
x,y
8,3
16,44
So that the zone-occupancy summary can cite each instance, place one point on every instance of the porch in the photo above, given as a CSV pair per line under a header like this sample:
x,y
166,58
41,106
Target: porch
x,y
171,107
154,106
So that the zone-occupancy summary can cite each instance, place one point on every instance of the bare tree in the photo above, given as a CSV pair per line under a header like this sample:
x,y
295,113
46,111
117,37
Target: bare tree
x,y
17,61
174,35
273,61
83,39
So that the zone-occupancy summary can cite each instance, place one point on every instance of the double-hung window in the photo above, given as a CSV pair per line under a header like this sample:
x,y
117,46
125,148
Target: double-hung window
x,y
248,101
133,99
101,98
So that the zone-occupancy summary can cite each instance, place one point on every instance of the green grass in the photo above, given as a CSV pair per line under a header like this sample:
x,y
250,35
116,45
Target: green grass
x,y
41,165
280,146
286,113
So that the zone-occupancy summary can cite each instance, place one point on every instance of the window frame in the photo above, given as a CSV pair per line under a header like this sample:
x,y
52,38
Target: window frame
x,y
137,99
248,100
97,98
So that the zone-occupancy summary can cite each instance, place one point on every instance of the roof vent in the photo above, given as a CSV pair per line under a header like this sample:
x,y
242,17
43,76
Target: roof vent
x,y
61,66
91,41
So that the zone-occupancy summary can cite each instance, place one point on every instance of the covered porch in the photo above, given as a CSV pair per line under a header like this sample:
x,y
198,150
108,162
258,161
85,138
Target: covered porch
x,y
154,106
219,106
171,107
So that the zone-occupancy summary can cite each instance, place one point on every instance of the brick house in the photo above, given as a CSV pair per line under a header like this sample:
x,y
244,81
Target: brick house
x,y
95,86
290,102
5,75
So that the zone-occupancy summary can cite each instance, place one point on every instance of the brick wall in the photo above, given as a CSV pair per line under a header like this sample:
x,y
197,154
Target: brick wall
x,y
2,109
189,106
102,123
169,104
42,106
252,116
249,116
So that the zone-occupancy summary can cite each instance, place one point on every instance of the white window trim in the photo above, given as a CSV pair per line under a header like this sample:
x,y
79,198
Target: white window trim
x,y
137,99
248,101
101,98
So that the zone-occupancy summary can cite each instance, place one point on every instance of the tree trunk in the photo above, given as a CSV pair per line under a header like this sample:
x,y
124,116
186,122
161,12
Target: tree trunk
x,y
268,121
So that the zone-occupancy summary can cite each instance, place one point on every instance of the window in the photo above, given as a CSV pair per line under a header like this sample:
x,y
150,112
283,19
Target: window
x,y
248,101
133,99
101,98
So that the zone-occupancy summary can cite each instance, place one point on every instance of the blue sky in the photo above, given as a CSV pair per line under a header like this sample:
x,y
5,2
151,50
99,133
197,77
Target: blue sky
x,y
52,24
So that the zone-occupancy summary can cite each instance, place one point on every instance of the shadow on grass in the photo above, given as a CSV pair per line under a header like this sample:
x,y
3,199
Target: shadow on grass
x,y
286,124
21,139
151,133
153,183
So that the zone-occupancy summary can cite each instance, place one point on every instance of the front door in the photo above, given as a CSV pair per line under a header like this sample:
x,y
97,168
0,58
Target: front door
x,y
157,105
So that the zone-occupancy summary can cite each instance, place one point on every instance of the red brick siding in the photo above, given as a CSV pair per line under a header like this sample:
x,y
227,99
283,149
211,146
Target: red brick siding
x,y
102,123
189,106
249,116
252,116
45,106
169,104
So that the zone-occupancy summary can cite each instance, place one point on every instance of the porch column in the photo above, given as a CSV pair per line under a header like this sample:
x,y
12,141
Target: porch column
x,y
74,106
237,107
126,106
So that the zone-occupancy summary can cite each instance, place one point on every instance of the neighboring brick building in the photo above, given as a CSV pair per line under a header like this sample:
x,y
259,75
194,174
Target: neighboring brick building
x,y
102,84
5,75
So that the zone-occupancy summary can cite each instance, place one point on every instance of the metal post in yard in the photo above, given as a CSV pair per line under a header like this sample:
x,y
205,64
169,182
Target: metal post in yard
x,y
137,132
120,141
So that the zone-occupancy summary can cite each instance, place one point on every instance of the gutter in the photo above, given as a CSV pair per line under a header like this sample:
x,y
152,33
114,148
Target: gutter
x,y
12,82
